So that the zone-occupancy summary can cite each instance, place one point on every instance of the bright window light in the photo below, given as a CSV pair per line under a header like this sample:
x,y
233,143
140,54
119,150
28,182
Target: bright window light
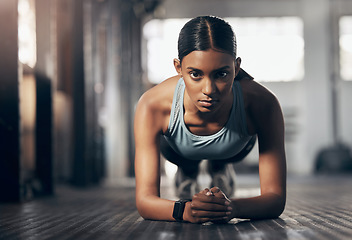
x,y
272,49
161,37
26,33
346,47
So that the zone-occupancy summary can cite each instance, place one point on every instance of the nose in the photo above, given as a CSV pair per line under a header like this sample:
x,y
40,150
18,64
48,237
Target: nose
x,y
208,86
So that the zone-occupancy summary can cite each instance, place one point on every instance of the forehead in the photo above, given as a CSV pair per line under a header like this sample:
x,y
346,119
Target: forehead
x,y
209,59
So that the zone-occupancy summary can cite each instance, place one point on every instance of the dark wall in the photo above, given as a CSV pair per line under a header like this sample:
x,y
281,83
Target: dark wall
x,y
10,182
103,44
84,49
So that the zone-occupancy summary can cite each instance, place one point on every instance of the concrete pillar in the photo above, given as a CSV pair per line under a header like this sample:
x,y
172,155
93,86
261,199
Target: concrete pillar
x,y
10,167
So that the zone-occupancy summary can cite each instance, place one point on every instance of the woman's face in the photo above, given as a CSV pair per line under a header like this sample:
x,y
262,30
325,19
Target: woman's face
x,y
208,76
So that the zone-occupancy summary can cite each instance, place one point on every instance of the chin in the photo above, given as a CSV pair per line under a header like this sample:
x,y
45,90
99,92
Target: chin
x,y
206,110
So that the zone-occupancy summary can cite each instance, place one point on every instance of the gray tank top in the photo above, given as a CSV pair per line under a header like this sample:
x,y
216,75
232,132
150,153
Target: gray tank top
x,y
225,143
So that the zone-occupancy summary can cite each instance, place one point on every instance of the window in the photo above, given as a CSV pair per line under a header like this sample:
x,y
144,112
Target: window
x,y
161,37
346,47
272,49
26,33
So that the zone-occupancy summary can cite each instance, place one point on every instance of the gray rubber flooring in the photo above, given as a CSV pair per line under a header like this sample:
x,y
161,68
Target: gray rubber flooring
x,y
317,208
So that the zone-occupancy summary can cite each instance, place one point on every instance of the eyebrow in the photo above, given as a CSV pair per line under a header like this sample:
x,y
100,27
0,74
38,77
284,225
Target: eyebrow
x,y
222,68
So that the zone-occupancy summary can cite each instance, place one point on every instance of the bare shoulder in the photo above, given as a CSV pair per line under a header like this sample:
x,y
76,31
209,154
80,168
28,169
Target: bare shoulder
x,y
262,106
155,104
160,96
256,95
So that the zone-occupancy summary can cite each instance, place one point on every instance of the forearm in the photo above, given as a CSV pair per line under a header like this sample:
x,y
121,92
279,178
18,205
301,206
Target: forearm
x,y
266,206
155,208
202,208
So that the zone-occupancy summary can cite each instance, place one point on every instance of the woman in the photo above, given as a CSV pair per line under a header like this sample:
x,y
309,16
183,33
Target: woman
x,y
211,110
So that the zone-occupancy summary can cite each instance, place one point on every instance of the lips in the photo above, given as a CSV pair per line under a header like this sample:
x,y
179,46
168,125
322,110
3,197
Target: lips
x,y
207,103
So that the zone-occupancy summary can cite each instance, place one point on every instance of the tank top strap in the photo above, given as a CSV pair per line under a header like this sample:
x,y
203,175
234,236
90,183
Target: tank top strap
x,y
177,103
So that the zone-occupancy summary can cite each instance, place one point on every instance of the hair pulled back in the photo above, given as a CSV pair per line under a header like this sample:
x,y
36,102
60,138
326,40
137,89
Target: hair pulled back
x,y
206,32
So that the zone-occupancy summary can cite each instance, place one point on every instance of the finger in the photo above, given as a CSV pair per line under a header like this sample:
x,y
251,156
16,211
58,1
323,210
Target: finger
x,y
209,199
220,194
209,193
215,190
196,205
204,191
199,196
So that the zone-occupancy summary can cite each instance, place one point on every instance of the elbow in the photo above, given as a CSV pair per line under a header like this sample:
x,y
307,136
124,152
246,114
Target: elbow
x,y
143,214
142,208
277,211
274,206
278,207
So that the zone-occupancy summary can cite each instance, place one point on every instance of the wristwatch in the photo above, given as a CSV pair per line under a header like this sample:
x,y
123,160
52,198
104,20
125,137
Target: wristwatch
x,y
179,208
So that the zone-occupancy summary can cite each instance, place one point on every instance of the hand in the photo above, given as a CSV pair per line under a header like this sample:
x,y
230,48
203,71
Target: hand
x,y
216,192
207,206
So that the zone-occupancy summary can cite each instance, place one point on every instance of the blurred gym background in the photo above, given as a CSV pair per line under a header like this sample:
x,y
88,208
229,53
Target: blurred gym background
x,y
72,71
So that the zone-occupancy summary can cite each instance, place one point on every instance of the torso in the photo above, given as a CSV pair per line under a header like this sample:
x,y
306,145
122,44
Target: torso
x,y
162,96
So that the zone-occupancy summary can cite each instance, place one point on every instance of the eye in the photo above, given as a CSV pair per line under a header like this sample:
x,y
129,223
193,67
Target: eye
x,y
195,74
221,74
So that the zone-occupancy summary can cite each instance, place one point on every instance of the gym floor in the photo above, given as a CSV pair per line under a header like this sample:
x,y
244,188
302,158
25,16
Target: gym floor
x,y
318,207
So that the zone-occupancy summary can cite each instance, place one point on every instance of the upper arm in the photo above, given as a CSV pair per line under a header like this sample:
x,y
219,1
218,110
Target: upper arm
x,y
269,124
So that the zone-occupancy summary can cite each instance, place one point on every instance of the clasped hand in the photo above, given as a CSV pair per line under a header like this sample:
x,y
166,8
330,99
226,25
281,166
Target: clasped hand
x,y
208,205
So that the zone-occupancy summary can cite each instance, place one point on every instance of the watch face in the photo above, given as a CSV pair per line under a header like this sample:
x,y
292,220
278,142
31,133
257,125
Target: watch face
x,y
179,207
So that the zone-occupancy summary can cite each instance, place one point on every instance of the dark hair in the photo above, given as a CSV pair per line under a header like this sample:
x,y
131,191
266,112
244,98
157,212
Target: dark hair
x,y
206,32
